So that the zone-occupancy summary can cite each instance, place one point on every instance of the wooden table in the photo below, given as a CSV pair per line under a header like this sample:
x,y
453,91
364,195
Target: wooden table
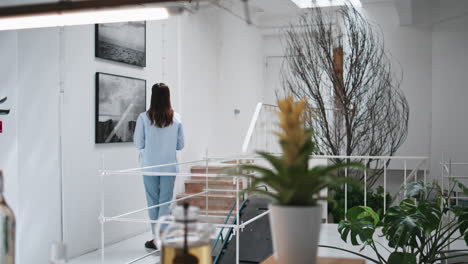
x,y
322,260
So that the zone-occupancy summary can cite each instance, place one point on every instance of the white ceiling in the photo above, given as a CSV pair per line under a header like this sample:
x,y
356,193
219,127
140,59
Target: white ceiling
x,y
275,6
277,12
287,6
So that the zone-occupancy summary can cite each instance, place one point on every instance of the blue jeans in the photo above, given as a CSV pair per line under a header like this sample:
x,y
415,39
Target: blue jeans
x,y
159,189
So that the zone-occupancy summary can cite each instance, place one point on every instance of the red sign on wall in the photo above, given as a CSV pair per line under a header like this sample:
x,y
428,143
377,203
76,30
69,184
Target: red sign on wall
x,y
1,127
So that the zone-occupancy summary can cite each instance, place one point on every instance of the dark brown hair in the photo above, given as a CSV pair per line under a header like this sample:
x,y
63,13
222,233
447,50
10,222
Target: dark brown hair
x,y
160,112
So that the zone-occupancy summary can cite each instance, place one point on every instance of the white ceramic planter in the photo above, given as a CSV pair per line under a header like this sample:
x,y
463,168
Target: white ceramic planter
x,y
295,232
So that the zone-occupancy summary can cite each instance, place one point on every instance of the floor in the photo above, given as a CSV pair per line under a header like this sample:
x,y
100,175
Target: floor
x,y
122,252
130,249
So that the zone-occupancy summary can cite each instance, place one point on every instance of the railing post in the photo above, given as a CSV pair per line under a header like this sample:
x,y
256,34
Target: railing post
x,y
265,131
207,194
416,174
442,175
237,221
346,193
385,187
101,218
365,185
102,213
425,172
404,180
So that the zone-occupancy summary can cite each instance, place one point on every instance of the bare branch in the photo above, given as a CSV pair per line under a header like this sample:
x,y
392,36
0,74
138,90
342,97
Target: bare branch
x,y
336,59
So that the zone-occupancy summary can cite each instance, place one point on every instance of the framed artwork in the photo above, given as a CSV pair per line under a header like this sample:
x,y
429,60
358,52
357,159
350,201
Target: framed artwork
x,y
119,101
122,42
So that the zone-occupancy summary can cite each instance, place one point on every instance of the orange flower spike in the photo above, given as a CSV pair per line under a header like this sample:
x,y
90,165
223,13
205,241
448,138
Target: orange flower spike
x,y
293,133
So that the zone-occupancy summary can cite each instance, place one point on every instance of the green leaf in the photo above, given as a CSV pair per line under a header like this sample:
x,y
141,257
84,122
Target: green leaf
x,y
417,190
431,215
462,187
403,225
402,258
266,193
361,223
363,212
277,162
463,223
294,184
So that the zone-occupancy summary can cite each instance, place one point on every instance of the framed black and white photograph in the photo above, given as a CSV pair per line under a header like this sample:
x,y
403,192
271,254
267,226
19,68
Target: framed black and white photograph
x,y
123,42
119,101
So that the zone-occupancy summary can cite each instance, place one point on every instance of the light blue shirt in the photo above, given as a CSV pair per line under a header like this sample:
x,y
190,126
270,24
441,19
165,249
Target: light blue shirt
x,y
158,145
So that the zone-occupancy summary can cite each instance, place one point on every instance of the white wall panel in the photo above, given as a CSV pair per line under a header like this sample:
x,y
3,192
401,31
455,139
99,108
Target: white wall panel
x,y
450,93
83,158
9,137
38,218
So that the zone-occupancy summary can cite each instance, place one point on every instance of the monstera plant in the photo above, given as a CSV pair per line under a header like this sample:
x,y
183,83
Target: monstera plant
x,y
418,230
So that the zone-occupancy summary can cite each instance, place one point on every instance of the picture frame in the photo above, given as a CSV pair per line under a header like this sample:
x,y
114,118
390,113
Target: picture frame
x,y
123,42
119,101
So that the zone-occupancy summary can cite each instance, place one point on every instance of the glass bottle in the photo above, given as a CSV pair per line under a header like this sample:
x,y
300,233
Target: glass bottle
x,y
185,240
7,229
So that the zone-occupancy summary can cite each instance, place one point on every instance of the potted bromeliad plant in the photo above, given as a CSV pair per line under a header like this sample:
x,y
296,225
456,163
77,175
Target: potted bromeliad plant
x,y
419,230
295,215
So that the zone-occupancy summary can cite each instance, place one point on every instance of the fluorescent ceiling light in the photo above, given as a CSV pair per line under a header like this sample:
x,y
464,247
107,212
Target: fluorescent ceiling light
x,y
325,3
84,17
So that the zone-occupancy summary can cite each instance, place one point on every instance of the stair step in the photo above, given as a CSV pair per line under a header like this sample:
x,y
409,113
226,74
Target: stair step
x,y
220,178
199,185
215,201
240,161
211,169
214,212
216,216
215,220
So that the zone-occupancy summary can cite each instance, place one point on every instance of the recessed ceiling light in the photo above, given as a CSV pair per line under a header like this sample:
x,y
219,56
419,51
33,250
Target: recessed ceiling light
x,y
325,3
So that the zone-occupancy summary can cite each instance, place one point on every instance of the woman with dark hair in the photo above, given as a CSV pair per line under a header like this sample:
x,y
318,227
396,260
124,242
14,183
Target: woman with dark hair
x,y
159,134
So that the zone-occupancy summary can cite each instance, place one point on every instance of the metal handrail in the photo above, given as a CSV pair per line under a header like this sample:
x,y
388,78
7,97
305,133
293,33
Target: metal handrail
x,y
215,261
414,172
251,128
225,222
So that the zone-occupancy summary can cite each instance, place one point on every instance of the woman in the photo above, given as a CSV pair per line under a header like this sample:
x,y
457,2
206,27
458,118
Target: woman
x,y
159,134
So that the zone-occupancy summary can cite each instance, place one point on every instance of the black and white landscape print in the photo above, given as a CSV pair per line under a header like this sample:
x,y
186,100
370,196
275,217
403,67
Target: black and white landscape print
x,y
119,101
123,42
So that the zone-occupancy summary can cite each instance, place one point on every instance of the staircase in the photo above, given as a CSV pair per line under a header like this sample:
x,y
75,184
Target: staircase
x,y
219,203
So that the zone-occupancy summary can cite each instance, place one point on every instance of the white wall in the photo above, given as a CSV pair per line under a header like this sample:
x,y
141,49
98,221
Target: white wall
x,y
240,82
409,46
33,64
450,92
9,137
198,68
214,64
28,144
221,58
202,63
38,217
28,147
82,158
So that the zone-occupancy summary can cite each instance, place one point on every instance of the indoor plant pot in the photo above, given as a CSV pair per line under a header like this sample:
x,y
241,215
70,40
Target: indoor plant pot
x,y
296,186
295,231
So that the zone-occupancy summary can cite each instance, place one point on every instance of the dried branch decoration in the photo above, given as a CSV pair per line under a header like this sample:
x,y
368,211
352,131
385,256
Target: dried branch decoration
x,y
337,61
